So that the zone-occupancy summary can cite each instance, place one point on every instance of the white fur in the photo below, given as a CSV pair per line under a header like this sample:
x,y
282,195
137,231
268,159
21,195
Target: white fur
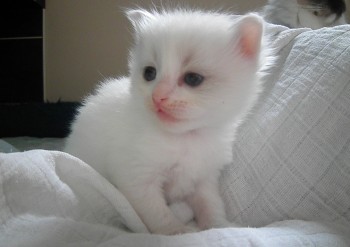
x,y
154,162
292,14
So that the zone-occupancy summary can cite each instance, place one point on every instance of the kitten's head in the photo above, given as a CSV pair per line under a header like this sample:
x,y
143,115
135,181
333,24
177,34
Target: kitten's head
x,y
195,69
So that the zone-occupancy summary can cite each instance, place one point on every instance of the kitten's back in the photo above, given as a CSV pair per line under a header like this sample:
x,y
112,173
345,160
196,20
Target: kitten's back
x,y
101,113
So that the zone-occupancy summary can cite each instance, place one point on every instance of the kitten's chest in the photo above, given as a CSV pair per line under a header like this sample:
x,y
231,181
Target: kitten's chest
x,y
193,161
180,180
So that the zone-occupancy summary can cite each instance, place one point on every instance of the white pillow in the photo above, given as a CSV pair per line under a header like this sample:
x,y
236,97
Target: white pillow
x,y
292,155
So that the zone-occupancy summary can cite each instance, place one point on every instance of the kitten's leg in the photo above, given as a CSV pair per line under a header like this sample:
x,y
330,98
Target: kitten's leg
x,y
149,203
182,211
208,207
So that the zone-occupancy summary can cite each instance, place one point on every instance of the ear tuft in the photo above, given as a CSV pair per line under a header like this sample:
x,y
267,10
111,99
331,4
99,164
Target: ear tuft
x,y
138,16
251,28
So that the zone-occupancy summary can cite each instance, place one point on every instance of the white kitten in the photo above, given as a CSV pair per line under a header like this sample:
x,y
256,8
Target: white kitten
x,y
305,13
163,134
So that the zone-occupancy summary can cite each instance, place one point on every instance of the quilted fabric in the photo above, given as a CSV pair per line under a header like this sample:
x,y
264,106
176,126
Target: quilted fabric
x,y
292,156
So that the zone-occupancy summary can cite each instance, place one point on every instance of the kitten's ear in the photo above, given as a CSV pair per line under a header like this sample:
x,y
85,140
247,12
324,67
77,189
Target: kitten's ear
x,y
250,32
138,17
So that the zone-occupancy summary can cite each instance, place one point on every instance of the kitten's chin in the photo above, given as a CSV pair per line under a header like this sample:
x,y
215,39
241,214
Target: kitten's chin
x,y
172,124
167,118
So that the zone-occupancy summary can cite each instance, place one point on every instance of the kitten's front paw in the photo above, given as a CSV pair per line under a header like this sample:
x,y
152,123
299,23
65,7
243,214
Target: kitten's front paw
x,y
190,229
176,230
223,223
226,224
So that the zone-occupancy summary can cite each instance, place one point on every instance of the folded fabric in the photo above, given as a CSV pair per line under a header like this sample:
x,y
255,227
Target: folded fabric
x,y
50,198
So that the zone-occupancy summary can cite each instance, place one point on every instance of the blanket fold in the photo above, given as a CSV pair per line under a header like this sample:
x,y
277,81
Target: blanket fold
x,y
50,198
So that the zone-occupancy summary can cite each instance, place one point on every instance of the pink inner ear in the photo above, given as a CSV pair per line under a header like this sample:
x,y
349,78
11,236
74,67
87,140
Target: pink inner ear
x,y
250,39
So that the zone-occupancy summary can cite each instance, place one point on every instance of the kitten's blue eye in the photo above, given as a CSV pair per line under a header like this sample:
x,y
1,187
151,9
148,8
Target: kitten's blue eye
x,y
149,73
193,79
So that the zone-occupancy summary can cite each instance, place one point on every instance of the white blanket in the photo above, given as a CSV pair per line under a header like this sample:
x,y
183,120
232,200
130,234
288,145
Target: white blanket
x,y
289,183
49,198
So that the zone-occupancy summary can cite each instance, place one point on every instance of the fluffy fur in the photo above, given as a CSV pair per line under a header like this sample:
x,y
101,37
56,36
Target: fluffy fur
x,y
305,13
163,141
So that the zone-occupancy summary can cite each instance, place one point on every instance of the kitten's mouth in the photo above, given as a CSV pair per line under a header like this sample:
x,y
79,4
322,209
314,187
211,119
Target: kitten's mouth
x,y
166,117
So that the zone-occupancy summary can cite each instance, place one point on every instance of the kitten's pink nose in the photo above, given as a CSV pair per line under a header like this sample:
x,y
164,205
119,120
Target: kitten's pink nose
x,y
161,93
158,99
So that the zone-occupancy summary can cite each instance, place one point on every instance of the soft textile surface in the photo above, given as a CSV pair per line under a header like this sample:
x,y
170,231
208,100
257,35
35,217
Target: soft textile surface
x,y
53,199
290,175
292,157
25,143
6,147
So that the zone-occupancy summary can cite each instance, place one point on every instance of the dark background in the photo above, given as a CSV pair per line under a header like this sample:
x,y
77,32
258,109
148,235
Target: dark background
x,y
23,111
